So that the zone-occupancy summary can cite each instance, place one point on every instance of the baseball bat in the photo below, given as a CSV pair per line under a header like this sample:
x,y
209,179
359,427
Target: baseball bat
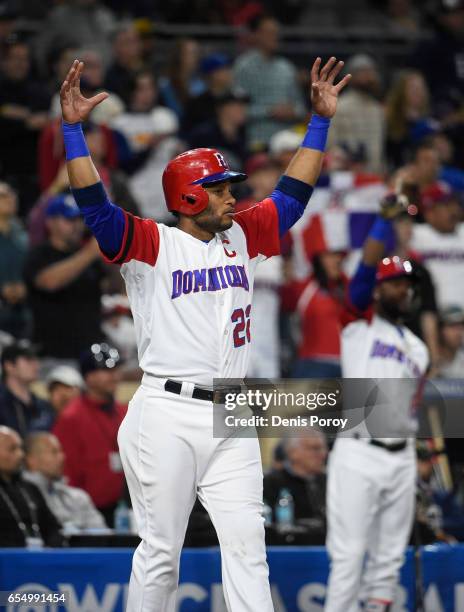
x,y
439,444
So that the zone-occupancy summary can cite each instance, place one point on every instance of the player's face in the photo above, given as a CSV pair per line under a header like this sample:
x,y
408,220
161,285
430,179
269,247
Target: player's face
x,y
218,215
395,297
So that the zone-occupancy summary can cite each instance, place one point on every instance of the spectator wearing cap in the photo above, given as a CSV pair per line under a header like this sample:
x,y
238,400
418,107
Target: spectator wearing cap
x,y
440,243
64,383
73,508
360,116
283,146
150,131
63,279
20,408
216,70
227,132
25,519
451,364
270,80
88,428
14,315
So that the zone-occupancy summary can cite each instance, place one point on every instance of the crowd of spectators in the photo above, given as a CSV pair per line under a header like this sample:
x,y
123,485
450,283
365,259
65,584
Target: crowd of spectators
x,y
64,318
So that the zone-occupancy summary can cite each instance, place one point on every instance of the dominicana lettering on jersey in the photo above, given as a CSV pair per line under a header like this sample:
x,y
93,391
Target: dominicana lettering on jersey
x,y
208,279
380,349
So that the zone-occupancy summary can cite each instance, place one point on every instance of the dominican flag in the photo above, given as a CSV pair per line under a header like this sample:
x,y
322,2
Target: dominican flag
x,y
338,218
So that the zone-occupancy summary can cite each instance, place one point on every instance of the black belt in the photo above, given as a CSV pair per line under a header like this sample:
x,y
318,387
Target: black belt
x,y
216,396
391,448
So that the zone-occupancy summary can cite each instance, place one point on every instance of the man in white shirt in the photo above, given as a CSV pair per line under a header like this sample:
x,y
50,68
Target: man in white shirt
x,y
71,506
440,243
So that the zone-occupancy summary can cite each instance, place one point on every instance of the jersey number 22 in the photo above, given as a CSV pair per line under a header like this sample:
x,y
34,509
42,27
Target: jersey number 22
x,y
241,318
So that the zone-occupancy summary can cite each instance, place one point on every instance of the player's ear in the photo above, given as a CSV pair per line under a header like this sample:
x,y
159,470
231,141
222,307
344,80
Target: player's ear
x,y
376,294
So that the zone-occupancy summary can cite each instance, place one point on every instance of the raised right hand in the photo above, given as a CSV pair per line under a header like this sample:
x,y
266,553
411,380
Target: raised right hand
x,y
74,107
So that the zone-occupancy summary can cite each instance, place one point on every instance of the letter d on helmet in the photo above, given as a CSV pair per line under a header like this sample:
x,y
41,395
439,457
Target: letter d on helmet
x,y
185,177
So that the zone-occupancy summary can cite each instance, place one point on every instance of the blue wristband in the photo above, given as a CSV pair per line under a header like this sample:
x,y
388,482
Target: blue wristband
x,y
74,141
316,136
381,230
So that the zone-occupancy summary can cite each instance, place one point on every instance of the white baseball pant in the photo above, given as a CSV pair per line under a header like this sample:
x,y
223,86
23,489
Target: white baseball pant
x,y
370,503
169,455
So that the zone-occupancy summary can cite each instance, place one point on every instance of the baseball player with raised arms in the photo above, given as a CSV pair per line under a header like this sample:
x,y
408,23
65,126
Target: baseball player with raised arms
x,y
190,289
371,480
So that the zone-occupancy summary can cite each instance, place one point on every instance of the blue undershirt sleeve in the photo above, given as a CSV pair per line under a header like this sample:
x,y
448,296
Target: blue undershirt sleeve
x,y
105,220
361,286
290,198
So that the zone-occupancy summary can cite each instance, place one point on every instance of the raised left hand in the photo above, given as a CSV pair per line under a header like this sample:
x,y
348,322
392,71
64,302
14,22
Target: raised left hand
x,y
74,107
324,93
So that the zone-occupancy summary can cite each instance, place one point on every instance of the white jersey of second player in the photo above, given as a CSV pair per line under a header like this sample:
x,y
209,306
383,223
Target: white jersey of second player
x,y
443,255
397,359
191,300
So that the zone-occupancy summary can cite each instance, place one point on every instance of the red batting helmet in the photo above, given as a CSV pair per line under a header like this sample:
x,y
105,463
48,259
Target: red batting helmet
x,y
185,176
393,267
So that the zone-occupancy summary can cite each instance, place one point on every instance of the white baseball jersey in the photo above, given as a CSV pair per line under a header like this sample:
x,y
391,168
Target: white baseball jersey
x,y
370,494
377,349
191,300
443,254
